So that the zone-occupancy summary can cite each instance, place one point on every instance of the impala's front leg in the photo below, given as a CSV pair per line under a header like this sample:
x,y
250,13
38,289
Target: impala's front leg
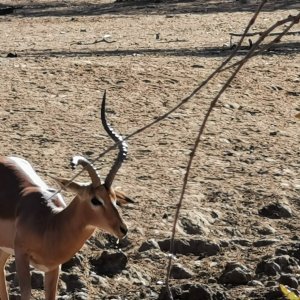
x,y
3,290
51,279
23,271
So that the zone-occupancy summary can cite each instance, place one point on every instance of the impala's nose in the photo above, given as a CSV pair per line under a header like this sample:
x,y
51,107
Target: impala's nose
x,y
124,230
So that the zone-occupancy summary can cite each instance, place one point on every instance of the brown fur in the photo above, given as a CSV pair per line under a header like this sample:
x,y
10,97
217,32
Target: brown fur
x,y
13,180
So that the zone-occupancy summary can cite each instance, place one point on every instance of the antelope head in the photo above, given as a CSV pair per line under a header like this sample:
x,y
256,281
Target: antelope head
x,y
98,199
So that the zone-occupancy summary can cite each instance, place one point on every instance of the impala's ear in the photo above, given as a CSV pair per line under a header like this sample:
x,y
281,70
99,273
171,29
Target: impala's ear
x,y
66,185
122,199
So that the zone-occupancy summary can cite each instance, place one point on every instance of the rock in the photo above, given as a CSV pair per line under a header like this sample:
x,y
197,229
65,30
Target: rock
x,y
73,282
75,261
137,277
289,280
12,279
109,263
255,283
265,242
242,242
276,211
37,280
271,283
286,263
150,244
268,267
195,223
15,296
11,55
80,296
266,230
235,274
198,247
179,272
273,294
191,227
193,292
293,251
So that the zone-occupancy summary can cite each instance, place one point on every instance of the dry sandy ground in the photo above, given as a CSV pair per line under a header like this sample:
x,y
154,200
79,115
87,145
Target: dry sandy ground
x,y
249,156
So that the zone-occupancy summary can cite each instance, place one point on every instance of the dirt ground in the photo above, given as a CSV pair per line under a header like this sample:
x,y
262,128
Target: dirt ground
x,y
156,55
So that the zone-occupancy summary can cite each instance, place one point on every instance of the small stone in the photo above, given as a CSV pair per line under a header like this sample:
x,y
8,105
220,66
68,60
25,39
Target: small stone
x,y
37,280
73,282
75,261
255,283
109,263
289,280
198,247
271,283
269,268
80,296
235,274
266,230
14,296
190,227
192,292
150,244
276,211
11,55
179,272
286,263
242,242
265,242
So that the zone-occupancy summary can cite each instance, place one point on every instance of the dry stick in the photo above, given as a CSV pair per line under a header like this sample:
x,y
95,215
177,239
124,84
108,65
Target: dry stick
x,y
196,144
262,32
293,19
164,116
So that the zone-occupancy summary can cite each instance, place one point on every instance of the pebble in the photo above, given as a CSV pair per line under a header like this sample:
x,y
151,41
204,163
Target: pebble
x,y
235,274
73,282
150,244
109,263
269,268
179,272
265,242
37,280
289,280
197,247
276,211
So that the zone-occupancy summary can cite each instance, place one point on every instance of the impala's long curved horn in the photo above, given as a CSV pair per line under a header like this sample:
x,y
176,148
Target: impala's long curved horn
x,y
122,145
79,160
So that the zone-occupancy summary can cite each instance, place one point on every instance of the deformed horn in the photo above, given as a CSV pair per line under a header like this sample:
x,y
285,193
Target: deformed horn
x,y
79,160
122,145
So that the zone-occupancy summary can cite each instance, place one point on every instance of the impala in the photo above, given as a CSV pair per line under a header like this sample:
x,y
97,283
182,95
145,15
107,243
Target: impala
x,y
41,230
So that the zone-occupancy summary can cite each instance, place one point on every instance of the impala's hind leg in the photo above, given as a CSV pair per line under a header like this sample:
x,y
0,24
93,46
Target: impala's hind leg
x,y
3,290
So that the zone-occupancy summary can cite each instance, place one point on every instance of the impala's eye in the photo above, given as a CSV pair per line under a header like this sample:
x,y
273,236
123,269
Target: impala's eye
x,y
96,202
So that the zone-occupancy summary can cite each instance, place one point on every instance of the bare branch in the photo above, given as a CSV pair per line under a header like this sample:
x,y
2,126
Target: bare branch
x,y
293,19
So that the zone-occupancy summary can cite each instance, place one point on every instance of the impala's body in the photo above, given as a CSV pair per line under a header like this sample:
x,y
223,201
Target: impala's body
x,y
40,230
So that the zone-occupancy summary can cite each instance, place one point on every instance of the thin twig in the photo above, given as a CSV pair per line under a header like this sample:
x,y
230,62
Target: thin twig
x,y
262,32
293,19
103,40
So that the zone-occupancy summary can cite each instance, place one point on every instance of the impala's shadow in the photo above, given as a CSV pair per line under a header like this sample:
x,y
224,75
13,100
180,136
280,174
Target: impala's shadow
x,y
137,7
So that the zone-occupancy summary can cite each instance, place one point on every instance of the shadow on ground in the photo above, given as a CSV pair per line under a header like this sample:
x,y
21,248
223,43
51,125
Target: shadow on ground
x,y
89,8
279,49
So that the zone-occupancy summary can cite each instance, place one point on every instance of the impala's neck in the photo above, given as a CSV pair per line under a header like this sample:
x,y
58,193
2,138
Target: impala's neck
x,y
69,230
